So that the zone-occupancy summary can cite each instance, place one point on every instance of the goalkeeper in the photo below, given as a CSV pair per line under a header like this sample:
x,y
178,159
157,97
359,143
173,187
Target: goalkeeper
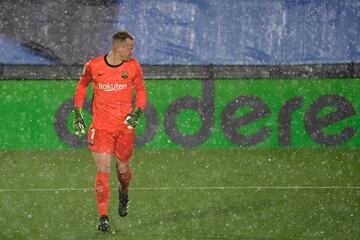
x,y
114,76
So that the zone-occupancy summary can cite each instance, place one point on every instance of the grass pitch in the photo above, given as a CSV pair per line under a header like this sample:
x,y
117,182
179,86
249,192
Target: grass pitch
x,y
240,193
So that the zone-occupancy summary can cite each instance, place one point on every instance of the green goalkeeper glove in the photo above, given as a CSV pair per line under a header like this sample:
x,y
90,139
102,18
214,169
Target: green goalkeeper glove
x,y
78,122
132,119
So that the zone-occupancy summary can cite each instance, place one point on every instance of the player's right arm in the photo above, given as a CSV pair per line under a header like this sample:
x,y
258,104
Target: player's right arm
x,y
79,98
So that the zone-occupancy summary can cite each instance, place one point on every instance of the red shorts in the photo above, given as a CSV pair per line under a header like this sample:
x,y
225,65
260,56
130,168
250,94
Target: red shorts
x,y
120,143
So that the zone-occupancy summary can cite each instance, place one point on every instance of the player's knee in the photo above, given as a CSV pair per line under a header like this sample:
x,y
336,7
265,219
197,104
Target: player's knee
x,y
103,166
103,169
102,161
122,167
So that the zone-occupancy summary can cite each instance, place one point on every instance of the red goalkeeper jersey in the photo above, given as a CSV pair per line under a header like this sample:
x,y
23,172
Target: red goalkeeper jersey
x,y
113,88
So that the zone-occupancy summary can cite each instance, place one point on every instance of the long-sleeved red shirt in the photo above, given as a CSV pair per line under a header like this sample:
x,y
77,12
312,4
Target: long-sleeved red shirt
x,y
113,88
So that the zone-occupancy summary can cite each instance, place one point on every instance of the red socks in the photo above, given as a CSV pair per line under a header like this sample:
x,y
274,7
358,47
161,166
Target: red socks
x,y
124,179
102,191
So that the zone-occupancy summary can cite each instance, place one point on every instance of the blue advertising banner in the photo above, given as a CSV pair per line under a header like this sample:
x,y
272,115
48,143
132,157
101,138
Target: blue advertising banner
x,y
232,32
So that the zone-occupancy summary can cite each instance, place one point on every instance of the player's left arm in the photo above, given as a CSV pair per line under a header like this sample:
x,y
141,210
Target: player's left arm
x,y
132,119
141,95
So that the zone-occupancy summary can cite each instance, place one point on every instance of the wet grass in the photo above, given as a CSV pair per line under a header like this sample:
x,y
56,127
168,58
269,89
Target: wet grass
x,y
240,193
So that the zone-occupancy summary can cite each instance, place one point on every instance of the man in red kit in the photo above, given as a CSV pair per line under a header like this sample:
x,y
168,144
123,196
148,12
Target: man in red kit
x,y
114,78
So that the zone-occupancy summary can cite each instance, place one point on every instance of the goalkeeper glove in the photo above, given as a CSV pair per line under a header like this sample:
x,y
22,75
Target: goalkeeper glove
x,y
132,119
78,122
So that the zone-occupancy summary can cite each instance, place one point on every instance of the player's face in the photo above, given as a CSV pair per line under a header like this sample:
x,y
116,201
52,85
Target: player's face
x,y
124,48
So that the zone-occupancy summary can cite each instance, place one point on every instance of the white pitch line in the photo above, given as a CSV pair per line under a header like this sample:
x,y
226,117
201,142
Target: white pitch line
x,y
45,189
180,188
260,187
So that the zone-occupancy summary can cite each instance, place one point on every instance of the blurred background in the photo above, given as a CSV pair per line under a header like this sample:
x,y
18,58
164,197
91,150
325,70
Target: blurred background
x,y
182,32
251,129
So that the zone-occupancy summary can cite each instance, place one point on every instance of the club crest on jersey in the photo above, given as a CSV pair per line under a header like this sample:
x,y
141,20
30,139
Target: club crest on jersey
x,y
124,75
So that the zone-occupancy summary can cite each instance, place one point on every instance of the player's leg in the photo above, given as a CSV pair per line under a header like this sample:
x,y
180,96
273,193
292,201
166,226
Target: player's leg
x,y
102,187
123,153
124,174
101,143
